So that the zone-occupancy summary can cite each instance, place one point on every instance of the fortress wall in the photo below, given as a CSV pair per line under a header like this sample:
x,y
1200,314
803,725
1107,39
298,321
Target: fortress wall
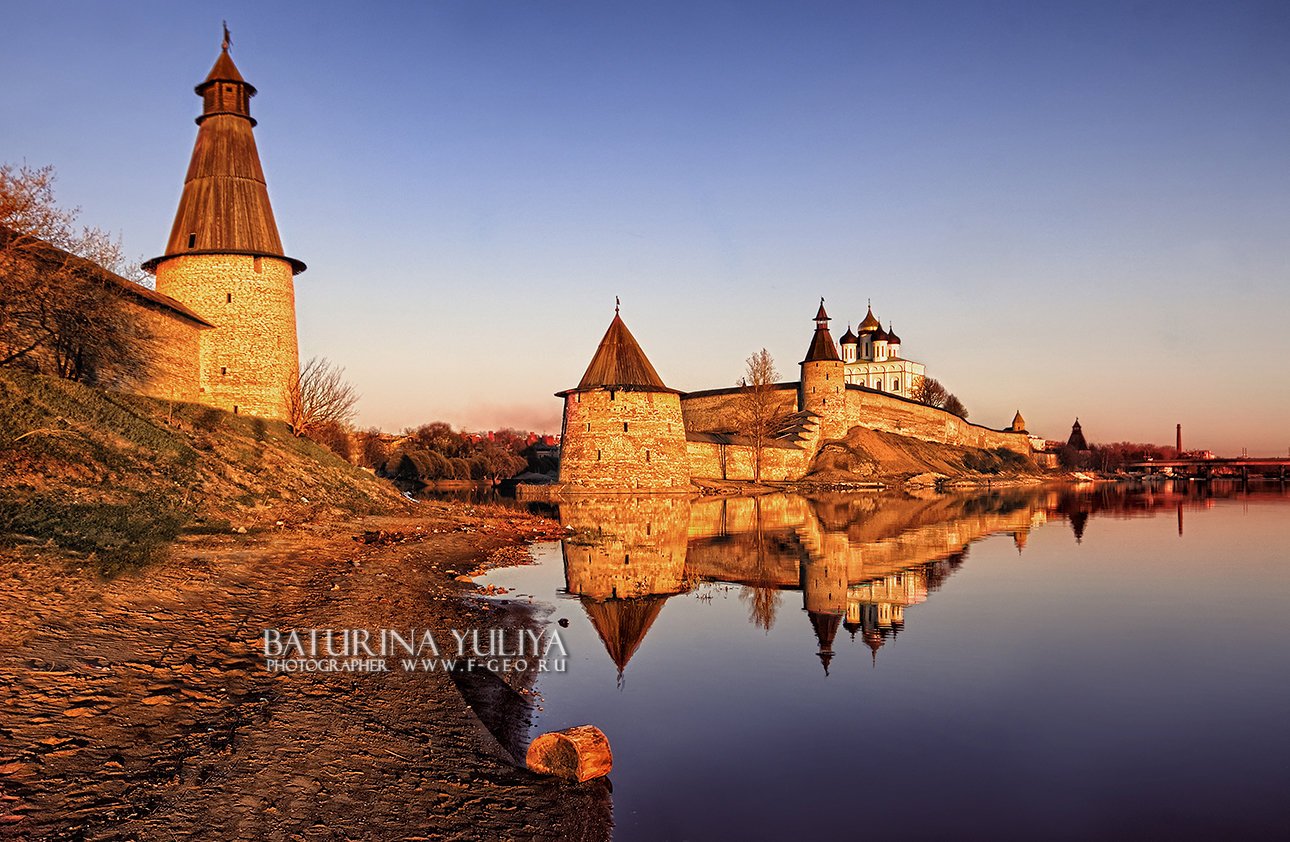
x,y
708,411
250,359
777,463
623,440
877,411
173,354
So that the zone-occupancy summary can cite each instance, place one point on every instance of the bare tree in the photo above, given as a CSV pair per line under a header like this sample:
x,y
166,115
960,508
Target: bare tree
x,y
320,397
757,411
929,390
955,406
61,312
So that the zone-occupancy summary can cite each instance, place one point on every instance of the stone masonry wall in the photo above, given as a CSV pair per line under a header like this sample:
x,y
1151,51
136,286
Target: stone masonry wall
x,y
173,354
251,358
877,411
618,439
709,460
707,411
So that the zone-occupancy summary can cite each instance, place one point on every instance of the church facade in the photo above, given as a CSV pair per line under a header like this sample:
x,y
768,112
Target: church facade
x,y
872,357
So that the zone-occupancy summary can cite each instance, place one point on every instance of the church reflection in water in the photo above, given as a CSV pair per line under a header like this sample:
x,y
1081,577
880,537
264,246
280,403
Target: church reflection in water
x,y
858,560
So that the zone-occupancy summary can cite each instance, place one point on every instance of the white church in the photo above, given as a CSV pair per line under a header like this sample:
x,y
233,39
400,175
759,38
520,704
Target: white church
x,y
872,358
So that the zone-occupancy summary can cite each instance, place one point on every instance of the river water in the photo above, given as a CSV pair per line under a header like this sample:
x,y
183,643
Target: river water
x,y
1056,663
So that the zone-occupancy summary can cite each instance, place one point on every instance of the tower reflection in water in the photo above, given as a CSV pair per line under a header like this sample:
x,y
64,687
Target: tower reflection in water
x,y
858,560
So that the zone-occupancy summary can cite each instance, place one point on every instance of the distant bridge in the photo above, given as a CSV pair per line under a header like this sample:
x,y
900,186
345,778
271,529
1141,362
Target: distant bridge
x,y
1243,466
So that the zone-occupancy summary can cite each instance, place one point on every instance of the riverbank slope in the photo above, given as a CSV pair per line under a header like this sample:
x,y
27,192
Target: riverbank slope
x,y
145,547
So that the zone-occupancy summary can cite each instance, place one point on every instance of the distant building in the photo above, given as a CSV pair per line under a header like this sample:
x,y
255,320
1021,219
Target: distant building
x,y
1077,437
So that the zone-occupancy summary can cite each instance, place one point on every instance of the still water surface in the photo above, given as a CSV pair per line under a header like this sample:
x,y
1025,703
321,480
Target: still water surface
x,y
1109,662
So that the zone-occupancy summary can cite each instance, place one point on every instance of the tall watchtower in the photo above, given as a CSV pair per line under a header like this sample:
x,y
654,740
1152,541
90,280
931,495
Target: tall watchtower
x,y
225,261
823,388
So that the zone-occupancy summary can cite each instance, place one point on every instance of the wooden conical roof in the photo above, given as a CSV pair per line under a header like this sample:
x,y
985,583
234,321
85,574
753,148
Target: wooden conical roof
x,y
619,362
224,207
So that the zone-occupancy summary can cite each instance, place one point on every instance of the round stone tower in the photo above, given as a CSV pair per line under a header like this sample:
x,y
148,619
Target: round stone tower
x,y
622,427
823,386
225,261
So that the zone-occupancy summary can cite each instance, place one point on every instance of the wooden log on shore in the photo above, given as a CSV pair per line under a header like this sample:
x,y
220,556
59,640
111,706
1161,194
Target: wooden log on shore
x,y
579,753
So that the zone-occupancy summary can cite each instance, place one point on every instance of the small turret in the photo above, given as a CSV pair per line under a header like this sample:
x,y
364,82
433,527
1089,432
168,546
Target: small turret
x,y
1077,437
1018,423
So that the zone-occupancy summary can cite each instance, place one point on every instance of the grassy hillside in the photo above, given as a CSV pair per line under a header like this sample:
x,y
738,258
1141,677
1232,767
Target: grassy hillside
x,y
116,476
866,455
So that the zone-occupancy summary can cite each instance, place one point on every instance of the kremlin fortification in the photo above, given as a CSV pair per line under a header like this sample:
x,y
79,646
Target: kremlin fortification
x,y
624,429
223,328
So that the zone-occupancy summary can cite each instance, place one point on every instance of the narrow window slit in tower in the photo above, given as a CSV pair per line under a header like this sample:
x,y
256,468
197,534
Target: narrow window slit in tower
x,y
624,426
228,298
223,369
192,240
235,409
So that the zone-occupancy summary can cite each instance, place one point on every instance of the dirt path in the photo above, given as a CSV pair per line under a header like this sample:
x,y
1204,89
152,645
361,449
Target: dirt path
x,y
139,708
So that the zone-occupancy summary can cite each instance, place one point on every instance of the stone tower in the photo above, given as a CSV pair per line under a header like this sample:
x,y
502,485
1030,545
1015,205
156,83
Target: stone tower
x,y
225,261
622,427
823,387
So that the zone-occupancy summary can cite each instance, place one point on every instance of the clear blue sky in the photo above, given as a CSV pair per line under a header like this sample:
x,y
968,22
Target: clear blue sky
x,y
1071,208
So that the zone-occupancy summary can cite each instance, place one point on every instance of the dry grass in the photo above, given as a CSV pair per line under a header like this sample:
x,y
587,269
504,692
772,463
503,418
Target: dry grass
x,y
116,477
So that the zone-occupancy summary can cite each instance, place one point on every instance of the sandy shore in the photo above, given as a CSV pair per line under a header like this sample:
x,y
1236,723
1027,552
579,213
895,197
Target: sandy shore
x,y
139,707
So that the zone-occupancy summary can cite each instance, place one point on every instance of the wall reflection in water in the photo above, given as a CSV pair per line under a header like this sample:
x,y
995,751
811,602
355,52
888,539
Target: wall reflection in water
x,y
857,562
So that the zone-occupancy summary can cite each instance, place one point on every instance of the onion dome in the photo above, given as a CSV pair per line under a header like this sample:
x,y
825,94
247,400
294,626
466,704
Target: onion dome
x,y
881,335
891,335
870,323
849,338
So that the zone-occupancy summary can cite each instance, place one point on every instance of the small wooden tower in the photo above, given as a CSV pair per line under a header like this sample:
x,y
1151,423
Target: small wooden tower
x,y
225,261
